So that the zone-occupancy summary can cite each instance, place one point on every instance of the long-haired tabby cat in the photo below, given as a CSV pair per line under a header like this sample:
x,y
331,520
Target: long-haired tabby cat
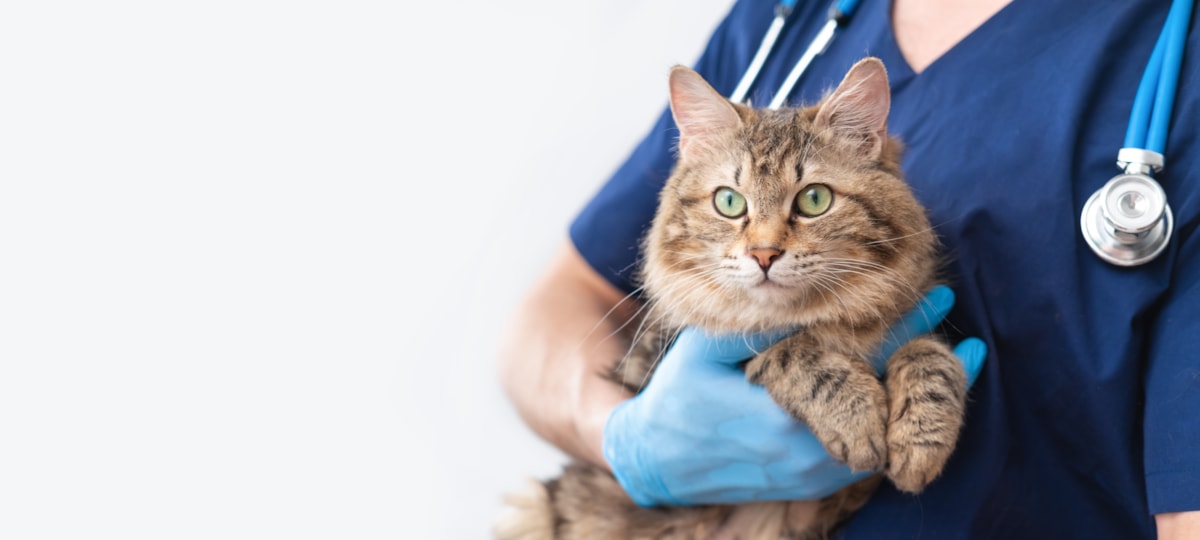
x,y
792,218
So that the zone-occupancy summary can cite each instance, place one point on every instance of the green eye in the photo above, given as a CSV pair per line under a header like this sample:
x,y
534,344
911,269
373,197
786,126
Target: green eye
x,y
729,203
814,200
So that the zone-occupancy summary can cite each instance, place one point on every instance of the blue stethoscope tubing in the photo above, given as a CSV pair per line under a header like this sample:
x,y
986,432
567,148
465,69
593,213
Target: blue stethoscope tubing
x,y
1155,99
839,15
1127,222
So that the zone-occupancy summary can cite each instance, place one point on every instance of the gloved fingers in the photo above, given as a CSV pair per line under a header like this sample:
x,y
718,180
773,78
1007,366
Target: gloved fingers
x,y
921,320
621,450
745,482
971,352
728,349
791,465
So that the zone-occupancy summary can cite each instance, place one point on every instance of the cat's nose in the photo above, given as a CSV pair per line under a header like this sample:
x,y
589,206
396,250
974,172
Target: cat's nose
x,y
765,255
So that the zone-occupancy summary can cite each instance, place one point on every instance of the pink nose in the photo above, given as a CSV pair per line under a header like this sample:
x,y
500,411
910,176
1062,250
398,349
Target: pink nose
x,y
765,255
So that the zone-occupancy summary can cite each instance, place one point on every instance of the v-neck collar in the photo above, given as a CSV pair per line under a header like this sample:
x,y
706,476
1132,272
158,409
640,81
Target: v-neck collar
x,y
1003,43
898,65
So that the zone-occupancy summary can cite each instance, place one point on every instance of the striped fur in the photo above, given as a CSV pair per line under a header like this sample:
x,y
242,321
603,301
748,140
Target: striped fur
x,y
843,277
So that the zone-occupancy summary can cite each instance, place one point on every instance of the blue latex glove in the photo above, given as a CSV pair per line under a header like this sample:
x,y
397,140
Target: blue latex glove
x,y
699,433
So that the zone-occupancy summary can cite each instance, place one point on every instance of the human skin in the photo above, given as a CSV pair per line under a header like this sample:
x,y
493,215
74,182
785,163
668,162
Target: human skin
x,y
558,345
926,29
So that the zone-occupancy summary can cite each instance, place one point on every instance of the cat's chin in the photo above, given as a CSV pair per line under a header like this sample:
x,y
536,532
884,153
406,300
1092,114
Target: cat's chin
x,y
768,291
768,305
771,304
768,283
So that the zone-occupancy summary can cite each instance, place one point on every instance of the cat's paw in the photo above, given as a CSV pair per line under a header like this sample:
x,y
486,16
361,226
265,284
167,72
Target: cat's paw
x,y
860,443
912,466
852,425
841,399
927,391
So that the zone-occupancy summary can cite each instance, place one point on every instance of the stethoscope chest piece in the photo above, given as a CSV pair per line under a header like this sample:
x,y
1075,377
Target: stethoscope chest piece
x,y
1128,221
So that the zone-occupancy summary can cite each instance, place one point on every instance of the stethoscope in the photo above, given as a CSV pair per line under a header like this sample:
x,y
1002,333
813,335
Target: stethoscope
x,y
1127,222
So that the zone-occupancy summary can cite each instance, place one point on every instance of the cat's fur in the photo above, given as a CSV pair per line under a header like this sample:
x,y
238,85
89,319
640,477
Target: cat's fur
x,y
844,277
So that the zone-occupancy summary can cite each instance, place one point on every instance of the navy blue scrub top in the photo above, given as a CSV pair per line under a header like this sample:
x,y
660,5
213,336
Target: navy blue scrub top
x,y
1086,419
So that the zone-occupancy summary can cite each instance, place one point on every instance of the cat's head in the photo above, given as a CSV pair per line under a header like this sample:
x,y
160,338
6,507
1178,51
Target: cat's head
x,y
775,218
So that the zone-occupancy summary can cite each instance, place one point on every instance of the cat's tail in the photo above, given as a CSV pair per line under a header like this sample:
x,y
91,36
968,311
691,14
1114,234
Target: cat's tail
x,y
586,502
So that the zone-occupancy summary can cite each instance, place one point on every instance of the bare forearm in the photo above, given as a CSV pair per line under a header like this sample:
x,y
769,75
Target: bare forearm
x,y
1178,525
561,341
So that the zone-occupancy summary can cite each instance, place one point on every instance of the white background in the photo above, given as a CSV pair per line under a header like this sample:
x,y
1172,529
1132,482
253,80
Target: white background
x,y
256,257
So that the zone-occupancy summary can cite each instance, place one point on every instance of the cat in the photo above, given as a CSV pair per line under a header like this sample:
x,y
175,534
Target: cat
x,y
805,216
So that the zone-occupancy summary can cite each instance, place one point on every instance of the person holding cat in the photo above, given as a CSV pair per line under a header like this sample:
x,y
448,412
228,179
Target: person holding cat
x,y
1011,113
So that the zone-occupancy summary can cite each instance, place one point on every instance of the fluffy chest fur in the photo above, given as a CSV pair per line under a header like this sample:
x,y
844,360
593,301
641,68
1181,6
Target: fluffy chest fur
x,y
792,219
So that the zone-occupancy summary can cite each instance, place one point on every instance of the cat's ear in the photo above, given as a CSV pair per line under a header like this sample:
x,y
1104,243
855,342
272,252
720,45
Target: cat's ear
x,y
858,108
702,114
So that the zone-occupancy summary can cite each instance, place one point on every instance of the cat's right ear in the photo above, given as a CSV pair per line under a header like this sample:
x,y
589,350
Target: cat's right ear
x,y
858,109
702,114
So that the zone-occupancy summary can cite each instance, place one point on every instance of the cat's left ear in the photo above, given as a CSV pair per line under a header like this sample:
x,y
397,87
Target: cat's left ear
x,y
858,108
703,116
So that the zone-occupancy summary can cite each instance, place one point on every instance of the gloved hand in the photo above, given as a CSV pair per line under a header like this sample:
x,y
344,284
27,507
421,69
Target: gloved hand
x,y
699,433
